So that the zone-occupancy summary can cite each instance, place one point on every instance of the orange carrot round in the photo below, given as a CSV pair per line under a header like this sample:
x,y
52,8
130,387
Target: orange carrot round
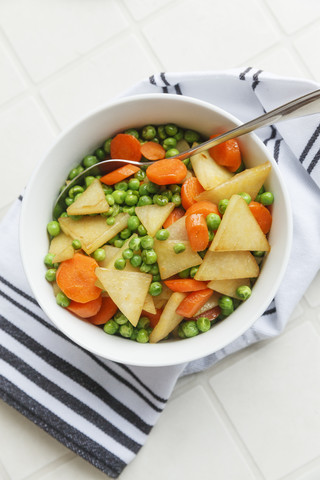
x,y
185,285
193,302
205,207
197,231
167,171
177,213
125,146
152,151
262,216
76,278
85,310
227,154
119,174
190,189
106,312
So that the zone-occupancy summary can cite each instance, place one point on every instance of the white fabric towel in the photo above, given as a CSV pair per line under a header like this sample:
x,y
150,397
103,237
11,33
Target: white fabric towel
x,y
102,410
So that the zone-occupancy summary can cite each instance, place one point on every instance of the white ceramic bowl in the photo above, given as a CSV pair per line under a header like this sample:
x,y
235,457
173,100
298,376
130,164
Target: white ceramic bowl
x,y
86,135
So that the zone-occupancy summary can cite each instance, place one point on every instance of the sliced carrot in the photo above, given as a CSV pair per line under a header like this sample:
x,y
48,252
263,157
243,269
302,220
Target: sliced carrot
x,y
205,207
153,317
76,278
119,174
227,154
106,312
185,285
177,213
125,146
197,231
85,310
167,171
262,215
190,189
152,151
193,302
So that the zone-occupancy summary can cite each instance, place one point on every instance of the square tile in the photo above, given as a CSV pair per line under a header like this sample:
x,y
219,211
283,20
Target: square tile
x,y
97,79
293,14
195,37
305,45
76,469
273,399
189,441
141,8
11,81
47,36
312,294
281,61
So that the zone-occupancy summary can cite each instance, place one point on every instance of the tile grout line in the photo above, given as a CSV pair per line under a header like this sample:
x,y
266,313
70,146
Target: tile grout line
x,y
51,466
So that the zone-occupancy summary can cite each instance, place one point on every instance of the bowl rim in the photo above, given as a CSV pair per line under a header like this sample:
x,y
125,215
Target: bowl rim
x,y
161,356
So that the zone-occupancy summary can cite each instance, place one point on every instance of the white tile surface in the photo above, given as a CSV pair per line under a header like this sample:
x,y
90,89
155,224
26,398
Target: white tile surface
x,y
11,81
293,14
305,44
276,406
141,8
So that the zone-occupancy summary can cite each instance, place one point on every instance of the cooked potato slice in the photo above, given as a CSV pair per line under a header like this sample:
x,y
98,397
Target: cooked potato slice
x,y
61,247
227,265
93,231
208,172
148,305
159,302
153,217
211,303
169,318
170,262
249,181
178,230
110,252
92,200
239,230
228,287
128,290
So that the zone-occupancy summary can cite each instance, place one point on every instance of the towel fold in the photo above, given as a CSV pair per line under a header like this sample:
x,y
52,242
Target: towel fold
x,y
104,410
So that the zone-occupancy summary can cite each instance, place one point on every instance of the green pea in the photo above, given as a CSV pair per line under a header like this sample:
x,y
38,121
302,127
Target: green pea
x,y
120,263
156,278
140,175
184,273
106,145
80,169
143,322
119,196
202,253
179,135
76,244
148,132
51,274
127,254
120,318
134,334
213,221
258,253
126,330
108,213
162,132
241,168
77,217
48,260
53,228
134,244
113,239
76,196
160,200
133,132
100,154
246,197
155,288
262,190
222,206
180,331
133,223
203,324
110,221
169,142
143,189
144,200
136,260
110,199
111,327
89,160
152,188
176,199
62,300
154,269
141,230
186,161
131,200
168,194
172,152
99,255
171,129
226,305
74,191
73,174
243,292
162,234
150,257
193,271
190,328
142,336
191,136
134,184
144,268
266,198
125,233
179,247
174,188
147,242
88,180
211,235
64,215
118,243
121,186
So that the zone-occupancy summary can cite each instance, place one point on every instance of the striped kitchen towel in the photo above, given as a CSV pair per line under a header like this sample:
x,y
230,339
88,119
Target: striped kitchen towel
x,y
104,410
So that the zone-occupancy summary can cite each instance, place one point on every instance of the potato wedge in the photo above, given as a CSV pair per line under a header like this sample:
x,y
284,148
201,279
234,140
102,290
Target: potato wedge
x,y
92,200
170,262
239,230
208,172
148,305
93,232
228,287
128,290
169,318
61,247
153,217
227,265
178,230
249,181
110,252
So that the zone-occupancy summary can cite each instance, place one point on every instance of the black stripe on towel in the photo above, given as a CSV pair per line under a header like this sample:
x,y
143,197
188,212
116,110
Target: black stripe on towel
x,y
137,379
93,357
242,75
64,397
18,291
314,162
20,198
255,79
310,143
178,89
276,149
163,78
272,136
72,438
270,311
152,80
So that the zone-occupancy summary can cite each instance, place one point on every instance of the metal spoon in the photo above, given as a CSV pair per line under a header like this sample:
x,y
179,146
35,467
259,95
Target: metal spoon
x,y
306,105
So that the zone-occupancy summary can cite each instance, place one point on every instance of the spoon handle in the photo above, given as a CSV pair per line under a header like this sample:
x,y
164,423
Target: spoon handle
x,y
306,105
